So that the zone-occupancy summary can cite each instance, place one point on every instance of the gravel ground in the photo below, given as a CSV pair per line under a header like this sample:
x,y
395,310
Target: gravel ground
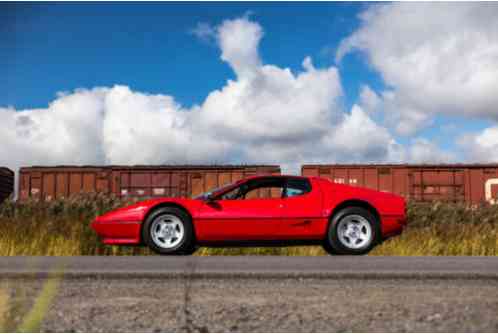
x,y
265,305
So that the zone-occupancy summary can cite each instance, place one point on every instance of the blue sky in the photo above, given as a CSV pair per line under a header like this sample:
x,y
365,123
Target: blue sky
x,y
404,82
60,47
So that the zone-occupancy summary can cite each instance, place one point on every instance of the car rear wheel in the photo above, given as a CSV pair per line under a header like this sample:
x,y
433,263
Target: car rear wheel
x,y
352,231
169,231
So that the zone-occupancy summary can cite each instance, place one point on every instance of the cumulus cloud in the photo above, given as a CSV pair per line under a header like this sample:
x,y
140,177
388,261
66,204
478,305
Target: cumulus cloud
x,y
268,114
239,40
68,131
357,138
422,150
434,57
369,99
481,146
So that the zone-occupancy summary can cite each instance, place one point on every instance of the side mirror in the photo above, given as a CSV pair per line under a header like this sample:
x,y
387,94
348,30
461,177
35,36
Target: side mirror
x,y
209,198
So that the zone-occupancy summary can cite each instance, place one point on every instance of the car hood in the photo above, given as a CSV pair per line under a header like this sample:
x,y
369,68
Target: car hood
x,y
138,211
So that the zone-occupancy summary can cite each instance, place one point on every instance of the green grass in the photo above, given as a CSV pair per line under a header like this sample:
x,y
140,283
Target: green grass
x,y
62,228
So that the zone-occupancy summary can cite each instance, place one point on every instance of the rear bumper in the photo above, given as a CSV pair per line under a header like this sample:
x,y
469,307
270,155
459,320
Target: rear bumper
x,y
392,225
117,233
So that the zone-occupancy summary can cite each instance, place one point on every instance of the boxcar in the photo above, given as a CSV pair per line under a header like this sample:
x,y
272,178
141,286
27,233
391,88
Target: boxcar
x,y
6,183
49,183
472,183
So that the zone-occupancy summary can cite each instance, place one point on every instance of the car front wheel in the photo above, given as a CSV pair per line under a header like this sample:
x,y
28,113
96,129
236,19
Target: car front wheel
x,y
352,231
169,231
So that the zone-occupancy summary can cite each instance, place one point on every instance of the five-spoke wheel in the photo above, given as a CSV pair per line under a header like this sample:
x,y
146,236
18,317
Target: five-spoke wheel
x,y
352,231
169,230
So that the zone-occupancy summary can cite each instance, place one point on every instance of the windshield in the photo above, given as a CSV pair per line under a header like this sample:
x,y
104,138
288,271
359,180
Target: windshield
x,y
216,190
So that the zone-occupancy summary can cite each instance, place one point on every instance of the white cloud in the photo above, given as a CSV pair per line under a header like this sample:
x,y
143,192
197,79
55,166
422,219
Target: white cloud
x,y
369,99
357,139
481,146
204,31
435,57
239,40
422,150
139,127
275,104
65,132
266,115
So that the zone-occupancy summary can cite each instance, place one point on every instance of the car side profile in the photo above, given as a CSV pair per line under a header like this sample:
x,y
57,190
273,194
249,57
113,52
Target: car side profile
x,y
260,211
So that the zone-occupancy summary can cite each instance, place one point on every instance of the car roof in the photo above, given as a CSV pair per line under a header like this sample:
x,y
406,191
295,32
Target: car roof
x,y
253,177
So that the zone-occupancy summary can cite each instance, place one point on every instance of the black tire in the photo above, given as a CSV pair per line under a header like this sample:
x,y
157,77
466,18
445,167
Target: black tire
x,y
328,248
187,244
189,251
332,243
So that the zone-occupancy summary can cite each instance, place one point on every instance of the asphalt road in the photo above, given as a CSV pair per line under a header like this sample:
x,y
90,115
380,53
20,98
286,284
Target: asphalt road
x,y
253,266
257,294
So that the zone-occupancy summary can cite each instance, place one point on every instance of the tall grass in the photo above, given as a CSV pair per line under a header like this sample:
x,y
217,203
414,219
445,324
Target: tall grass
x,y
446,229
57,228
61,227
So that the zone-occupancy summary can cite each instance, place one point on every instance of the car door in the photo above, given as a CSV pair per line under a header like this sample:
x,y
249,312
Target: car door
x,y
255,214
301,210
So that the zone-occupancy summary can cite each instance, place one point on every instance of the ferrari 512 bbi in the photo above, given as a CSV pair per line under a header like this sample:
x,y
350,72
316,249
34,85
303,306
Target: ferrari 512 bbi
x,y
260,211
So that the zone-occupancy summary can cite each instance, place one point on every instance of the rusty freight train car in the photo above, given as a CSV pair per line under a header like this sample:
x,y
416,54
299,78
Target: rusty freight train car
x,y
49,183
472,183
6,183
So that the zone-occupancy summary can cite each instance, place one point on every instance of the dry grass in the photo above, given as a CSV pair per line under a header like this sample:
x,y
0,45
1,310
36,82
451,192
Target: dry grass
x,y
62,228
57,228
446,229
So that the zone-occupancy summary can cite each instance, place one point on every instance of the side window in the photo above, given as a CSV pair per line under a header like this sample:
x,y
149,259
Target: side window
x,y
297,187
232,194
266,192
271,188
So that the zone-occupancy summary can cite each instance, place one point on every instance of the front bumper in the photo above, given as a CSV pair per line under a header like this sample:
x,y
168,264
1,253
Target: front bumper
x,y
118,233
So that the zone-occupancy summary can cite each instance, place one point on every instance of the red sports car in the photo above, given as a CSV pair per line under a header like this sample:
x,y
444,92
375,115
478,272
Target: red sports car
x,y
257,211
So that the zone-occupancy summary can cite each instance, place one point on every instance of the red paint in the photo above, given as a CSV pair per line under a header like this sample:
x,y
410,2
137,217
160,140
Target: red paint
x,y
254,219
303,217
